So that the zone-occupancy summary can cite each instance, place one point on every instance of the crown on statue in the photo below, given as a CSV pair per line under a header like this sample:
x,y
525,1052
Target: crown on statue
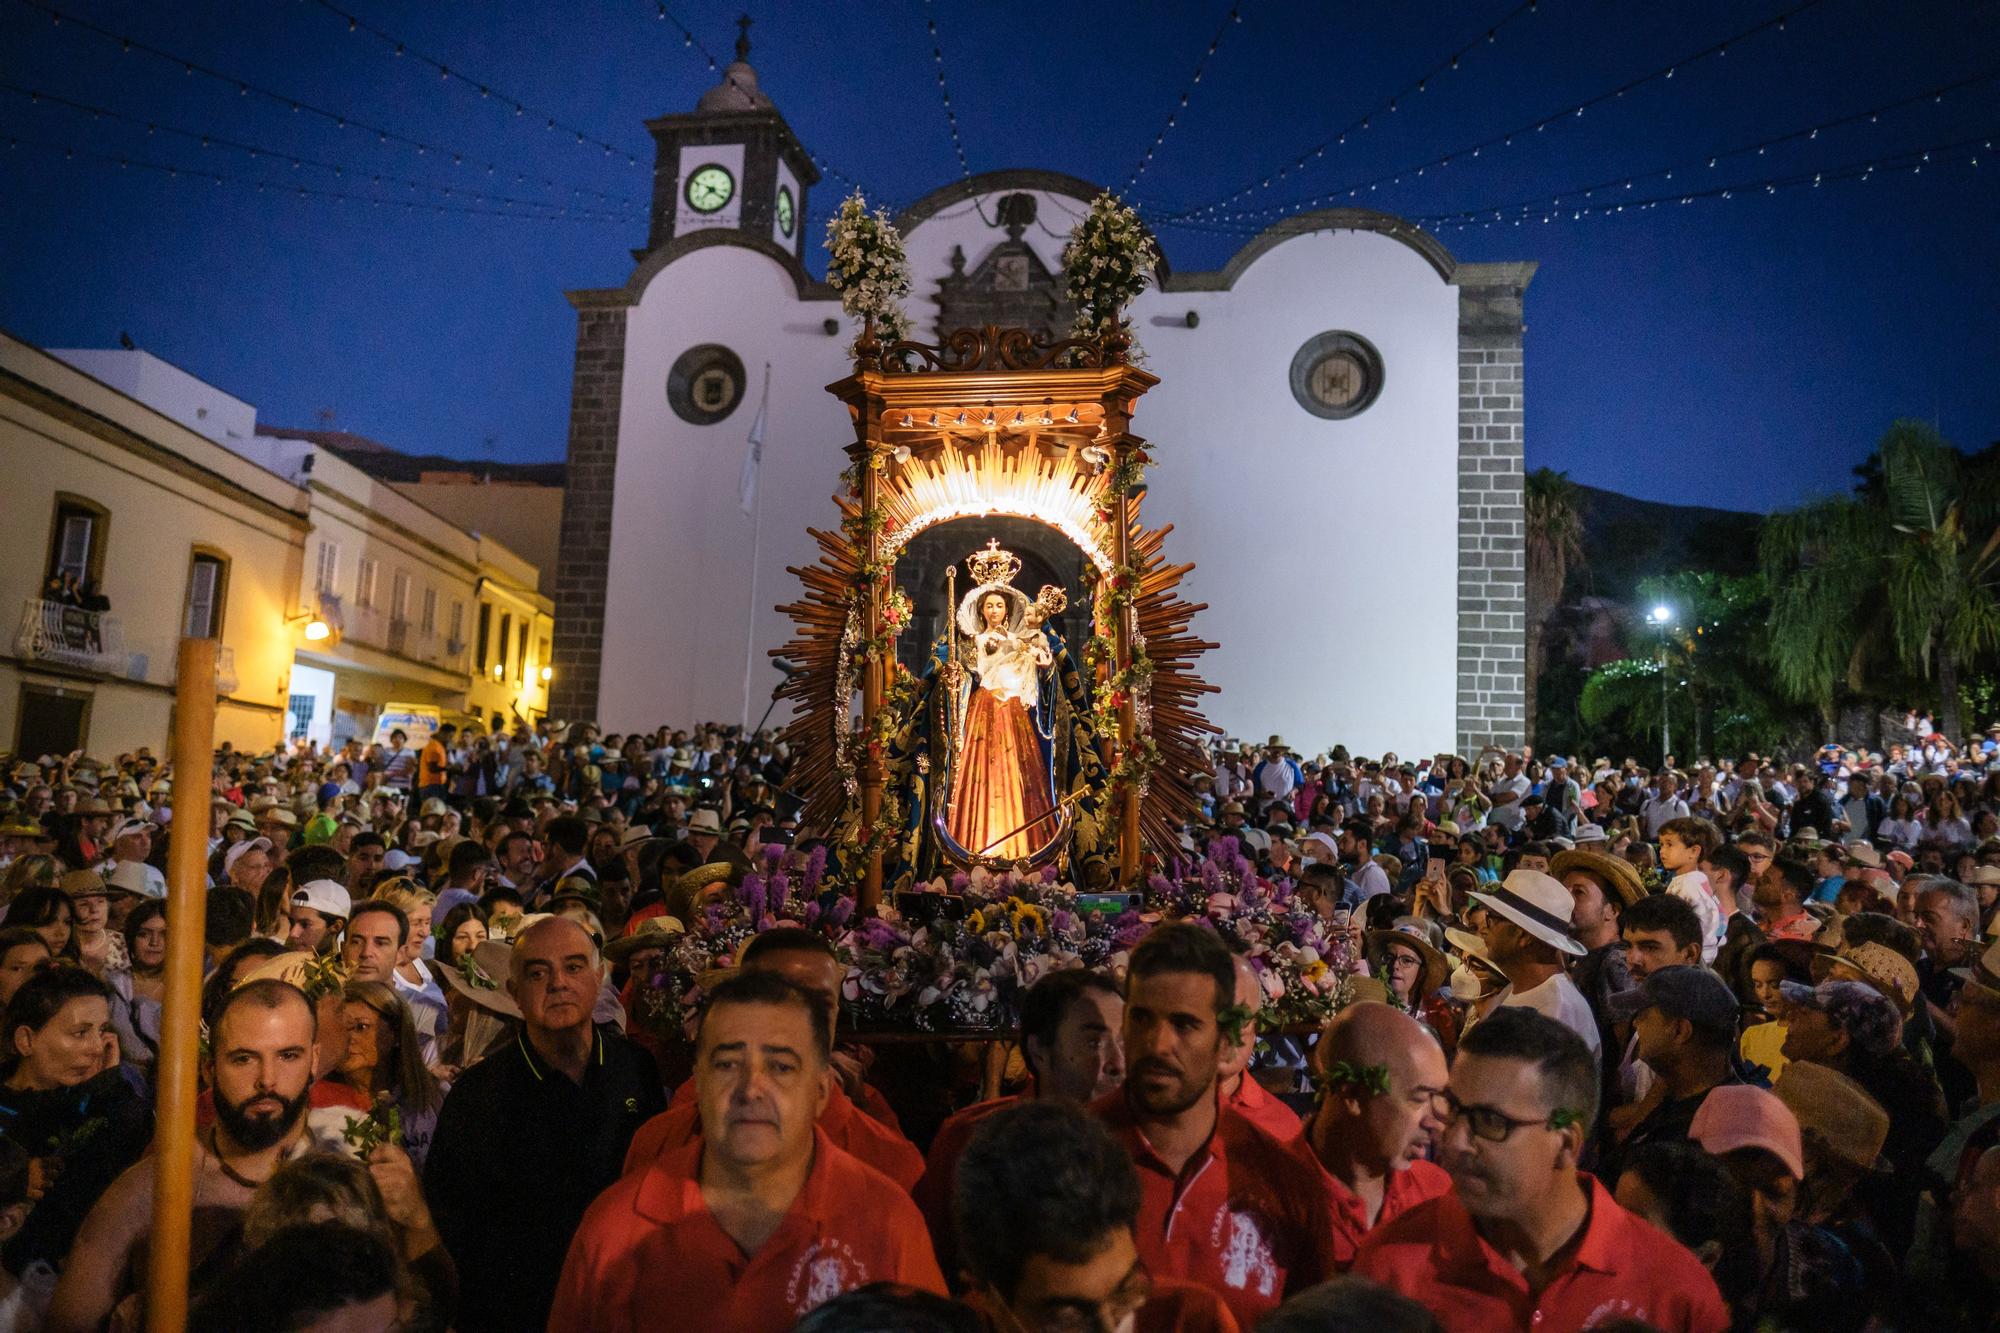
x,y
993,565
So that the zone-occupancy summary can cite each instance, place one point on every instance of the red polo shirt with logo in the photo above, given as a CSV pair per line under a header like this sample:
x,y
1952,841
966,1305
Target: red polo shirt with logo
x,y
1420,1182
649,1254
1246,1217
1621,1268
851,1131
1254,1102
934,1192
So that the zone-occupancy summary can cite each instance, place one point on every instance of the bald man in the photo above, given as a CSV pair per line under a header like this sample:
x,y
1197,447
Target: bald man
x,y
1239,1091
1381,1109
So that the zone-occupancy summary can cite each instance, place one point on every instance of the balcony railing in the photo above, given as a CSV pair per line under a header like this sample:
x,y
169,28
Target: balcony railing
x,y
72,637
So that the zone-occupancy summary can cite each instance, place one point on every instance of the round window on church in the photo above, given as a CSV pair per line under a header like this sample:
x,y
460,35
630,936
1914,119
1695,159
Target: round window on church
x,y
1336,375
705,384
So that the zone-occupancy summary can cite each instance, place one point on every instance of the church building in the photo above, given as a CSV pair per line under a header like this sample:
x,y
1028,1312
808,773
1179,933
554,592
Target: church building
x,y
1336,439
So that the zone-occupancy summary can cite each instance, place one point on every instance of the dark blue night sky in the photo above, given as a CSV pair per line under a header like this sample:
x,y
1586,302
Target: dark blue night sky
x,y
1742,353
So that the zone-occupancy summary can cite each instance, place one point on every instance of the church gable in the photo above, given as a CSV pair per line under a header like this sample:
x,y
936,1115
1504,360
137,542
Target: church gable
x,y
1010,287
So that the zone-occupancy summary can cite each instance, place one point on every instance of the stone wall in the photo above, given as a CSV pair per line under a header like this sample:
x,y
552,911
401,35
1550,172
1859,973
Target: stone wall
x,y
1492,542
584,555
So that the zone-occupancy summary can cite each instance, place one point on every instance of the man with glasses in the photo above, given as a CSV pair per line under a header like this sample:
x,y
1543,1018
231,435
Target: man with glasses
x,y
1381,1078
1525,1239
1047,1205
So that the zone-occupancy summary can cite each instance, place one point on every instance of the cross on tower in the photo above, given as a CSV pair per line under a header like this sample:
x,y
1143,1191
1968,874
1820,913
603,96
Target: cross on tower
x,y
743,37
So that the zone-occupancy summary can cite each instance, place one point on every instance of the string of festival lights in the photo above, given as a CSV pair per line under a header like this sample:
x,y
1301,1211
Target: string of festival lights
x,y
520,210
1388,106
1913,161
259,151
1716,50
299,106
403,50
944,89
1233,17
1709,161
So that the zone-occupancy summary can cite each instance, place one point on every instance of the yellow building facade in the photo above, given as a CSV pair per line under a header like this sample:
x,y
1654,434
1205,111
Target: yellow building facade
x,y
145,504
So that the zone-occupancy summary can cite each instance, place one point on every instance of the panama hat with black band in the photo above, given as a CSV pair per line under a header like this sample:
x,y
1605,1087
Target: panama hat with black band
x,y
1538,904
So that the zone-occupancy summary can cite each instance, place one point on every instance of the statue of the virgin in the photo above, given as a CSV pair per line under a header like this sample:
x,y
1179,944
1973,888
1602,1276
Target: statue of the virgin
x,y
1001,803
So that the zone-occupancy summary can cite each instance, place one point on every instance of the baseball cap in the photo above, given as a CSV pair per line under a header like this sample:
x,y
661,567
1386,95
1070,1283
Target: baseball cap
x,y
125,826
324,896
398,859
1684,992
1867,1015
1737,1115
243,849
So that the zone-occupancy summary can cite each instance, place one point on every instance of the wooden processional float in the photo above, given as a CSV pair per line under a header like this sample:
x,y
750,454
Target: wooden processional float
x,y
994,422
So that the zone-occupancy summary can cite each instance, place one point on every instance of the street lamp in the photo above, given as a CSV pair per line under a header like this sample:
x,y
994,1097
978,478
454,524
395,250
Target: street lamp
x,y
1661,615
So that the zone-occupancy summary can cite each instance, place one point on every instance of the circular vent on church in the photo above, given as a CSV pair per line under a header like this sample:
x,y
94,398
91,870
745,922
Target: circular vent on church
x,y
1336,375
705,384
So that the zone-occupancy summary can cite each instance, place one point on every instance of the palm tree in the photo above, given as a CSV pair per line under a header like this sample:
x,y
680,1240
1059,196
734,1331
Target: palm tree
x,y
1906,570
1554,520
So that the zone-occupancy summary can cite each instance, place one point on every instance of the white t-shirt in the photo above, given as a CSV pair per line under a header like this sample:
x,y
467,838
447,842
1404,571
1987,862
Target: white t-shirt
x,y
1509,816
1369,880
1692,887
1657,812
1558,998
1903,832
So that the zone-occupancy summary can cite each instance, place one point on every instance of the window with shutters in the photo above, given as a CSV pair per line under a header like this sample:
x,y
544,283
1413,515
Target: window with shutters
x,y
399,595
427,619
208,575
485,631
506,644
326,572
366,571
76,541
457,634
521,656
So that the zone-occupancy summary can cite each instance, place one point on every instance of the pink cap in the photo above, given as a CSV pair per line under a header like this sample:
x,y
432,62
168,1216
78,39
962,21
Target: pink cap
x,y
1739,1116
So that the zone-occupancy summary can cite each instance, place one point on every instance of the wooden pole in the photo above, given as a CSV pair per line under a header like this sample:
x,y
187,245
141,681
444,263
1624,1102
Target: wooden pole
x,y
874,674
187,905
1117,423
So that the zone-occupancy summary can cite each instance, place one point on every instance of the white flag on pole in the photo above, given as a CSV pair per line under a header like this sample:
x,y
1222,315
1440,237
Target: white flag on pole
x,y
746,489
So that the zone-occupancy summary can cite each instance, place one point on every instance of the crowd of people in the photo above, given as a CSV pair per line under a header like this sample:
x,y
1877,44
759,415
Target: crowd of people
x,y
1626,1046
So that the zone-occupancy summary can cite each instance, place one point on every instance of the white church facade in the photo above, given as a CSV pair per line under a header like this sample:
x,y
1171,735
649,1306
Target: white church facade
x,y
1336,438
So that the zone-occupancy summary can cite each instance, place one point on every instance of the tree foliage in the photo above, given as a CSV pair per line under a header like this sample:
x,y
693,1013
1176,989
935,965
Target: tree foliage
x,y
1898,577
1715,647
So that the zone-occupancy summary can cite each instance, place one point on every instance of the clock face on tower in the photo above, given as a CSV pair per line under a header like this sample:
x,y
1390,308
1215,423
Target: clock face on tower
x,y
709,188
786,210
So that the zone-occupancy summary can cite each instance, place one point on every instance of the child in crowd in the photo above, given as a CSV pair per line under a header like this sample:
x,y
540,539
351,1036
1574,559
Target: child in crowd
x,y
1683,844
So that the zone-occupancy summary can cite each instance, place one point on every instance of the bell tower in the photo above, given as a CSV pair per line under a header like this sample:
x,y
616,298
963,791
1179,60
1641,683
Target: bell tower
x,y
731,163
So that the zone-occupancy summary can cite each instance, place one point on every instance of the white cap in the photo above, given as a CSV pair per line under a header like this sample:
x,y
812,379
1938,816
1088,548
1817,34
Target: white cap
x,y
125,826
136,877
398,859
324,896
241,850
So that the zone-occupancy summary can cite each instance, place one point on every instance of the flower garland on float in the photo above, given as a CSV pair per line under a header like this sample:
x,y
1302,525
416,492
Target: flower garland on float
x,y
959,955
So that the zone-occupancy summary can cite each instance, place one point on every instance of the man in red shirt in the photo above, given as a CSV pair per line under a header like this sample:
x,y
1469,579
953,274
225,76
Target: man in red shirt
x,y
1222,1203
1240,1092
1047,1203
1070,1024
1382,1077
806,960
1524,1239
760,1218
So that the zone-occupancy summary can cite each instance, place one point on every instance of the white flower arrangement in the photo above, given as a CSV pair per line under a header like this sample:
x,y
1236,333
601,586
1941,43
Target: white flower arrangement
x,y
1109,260
867,266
